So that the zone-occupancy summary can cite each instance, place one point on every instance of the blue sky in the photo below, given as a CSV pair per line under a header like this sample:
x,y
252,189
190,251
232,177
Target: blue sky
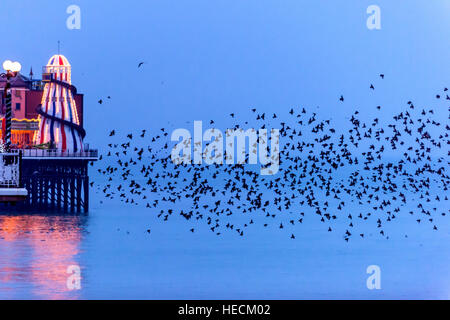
x,y
205,59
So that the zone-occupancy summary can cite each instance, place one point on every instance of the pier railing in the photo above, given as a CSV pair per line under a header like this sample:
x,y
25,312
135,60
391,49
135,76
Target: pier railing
x,y
51,153
10,170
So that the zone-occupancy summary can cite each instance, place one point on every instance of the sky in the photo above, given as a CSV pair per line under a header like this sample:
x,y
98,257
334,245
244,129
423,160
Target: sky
x,y
205,59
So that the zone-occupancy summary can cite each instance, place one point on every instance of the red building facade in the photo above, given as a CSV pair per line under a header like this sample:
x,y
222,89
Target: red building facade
x,y
26,96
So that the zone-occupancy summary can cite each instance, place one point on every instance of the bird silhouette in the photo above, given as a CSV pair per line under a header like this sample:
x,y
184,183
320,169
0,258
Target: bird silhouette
x,y
324,172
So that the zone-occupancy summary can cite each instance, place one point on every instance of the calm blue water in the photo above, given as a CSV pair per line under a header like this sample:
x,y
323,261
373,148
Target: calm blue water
x,y
120,260
204,60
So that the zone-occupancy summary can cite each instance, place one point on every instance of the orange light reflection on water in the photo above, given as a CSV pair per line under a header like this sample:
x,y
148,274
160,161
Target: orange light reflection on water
x,y
35,252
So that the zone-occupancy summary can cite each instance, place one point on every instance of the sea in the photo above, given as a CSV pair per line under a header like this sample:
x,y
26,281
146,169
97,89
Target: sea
x,y
122,251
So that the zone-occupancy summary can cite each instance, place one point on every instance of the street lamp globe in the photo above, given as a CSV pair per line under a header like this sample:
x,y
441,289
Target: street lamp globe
x,y
8,65
16,67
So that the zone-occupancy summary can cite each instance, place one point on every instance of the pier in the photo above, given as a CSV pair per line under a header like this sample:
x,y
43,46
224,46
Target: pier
x,y
46,180
43,157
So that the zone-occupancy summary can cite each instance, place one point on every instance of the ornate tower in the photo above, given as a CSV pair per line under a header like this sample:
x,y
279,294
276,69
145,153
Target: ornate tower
x,y
59,124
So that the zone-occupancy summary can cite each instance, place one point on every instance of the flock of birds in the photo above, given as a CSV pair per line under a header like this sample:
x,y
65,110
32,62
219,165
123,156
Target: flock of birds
x,y
369,172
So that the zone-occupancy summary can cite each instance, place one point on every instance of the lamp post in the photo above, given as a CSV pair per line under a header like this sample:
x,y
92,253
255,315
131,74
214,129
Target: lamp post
x,y
12,69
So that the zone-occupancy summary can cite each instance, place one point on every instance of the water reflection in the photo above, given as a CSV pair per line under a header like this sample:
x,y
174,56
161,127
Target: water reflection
x,y
35,252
